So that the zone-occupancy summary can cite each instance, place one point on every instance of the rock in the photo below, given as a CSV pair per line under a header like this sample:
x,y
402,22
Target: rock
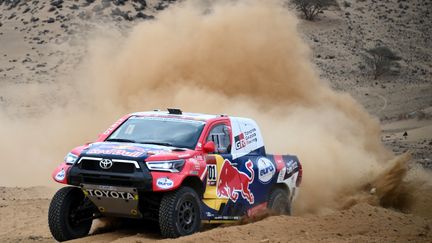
x,y
28,59
12,3
13,15
106,3
118,12
143,16
161,6
74,7
35,237
50,20
97,8
142,4
119,2
57,3
83,15
87,3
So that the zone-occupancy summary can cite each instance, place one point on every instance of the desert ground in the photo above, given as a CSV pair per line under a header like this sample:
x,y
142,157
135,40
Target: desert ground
x,y
47,45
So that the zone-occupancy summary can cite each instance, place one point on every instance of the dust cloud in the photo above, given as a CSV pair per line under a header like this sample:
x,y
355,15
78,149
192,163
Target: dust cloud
x,y
242,58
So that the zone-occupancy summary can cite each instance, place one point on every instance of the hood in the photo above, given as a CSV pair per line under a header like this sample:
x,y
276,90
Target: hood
x,y
132,151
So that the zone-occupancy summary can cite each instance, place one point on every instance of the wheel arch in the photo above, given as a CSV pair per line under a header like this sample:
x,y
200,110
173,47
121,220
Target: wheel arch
x,y
282,186
195,183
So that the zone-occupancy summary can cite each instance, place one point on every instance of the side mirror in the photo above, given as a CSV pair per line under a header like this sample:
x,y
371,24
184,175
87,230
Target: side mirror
x,y
209,147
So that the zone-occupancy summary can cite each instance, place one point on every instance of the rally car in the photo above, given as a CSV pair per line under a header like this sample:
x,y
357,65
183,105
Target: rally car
x,y
179,169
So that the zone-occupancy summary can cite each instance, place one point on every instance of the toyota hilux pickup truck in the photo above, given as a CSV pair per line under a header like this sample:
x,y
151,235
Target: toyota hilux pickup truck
x,y
178,169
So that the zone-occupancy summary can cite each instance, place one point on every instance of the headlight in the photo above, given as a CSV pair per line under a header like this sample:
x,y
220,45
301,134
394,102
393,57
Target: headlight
x,y
169,165
70,158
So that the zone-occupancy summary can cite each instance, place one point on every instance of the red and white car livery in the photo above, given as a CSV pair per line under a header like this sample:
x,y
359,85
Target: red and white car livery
x,y
180,169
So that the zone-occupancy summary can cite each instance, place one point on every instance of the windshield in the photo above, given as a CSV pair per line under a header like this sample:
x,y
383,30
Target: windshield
x,y
174,132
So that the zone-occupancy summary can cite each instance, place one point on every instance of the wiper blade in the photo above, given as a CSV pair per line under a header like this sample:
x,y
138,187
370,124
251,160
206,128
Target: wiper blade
x,y
122,140
157,143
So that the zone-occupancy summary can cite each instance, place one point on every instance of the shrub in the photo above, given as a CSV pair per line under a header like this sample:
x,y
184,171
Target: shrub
x,y
311,8
382,59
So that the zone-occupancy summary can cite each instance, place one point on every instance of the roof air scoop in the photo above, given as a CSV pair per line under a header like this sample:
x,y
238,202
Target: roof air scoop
x,y
174,111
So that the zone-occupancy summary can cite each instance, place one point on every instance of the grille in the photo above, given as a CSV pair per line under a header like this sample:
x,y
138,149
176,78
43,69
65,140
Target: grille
x,y
117,167
107,180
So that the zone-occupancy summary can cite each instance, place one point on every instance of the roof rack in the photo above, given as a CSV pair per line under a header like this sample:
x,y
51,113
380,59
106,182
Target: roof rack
x,y
174,111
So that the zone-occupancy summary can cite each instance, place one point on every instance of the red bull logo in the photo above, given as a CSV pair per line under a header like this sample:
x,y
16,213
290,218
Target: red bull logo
x,y
232,182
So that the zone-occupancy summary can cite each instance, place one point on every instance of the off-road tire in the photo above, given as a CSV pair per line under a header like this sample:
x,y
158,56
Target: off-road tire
x,y
63,202
279,202
174,211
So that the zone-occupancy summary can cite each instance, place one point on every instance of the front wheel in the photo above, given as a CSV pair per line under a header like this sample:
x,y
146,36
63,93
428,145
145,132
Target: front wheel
x,y
70,214
279,202
179,213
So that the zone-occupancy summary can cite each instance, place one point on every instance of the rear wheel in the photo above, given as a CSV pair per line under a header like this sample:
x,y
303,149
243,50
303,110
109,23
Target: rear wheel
x,y
70,214
179,213
279,202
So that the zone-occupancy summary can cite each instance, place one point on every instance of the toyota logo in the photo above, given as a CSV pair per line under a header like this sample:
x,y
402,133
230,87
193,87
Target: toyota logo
x,y
105,164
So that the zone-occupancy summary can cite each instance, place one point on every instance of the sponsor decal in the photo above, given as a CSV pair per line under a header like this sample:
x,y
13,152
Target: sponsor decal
x,y
130,147
195,163
281,176
111,194
266,170
123,150
286,174
164,183
233,182
156,151
245,138
240,142
227,218
60,175
114,126
115,152
291,166
175,118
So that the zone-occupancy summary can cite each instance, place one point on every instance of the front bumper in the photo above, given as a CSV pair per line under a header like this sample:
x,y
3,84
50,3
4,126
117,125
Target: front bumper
x,y
139,178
